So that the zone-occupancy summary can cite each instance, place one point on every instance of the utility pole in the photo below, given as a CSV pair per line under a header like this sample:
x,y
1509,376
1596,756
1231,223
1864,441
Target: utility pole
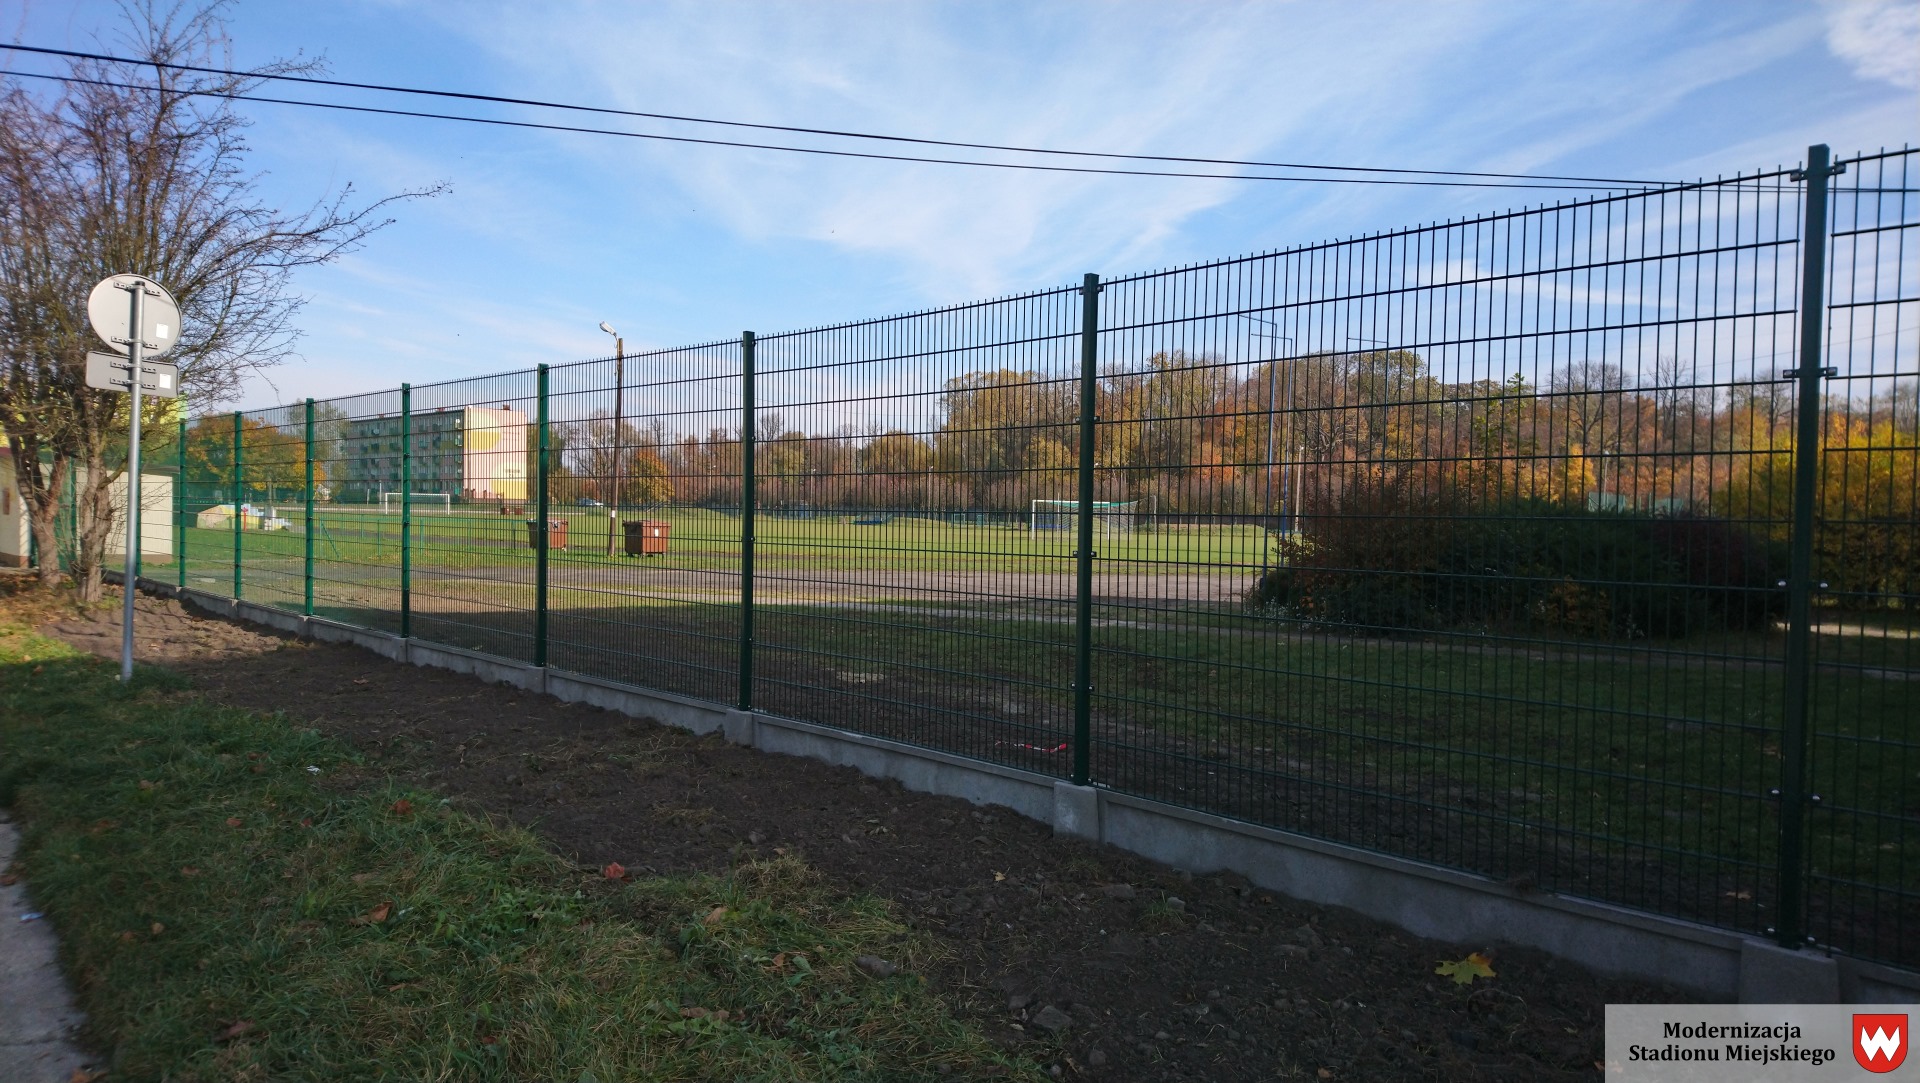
x,y
1273,366
619,389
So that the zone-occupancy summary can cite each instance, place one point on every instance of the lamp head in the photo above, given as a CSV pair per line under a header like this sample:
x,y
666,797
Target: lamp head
x,y
608,328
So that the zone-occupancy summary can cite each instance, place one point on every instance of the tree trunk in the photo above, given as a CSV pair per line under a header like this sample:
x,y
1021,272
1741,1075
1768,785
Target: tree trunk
x,y
97,518
40,499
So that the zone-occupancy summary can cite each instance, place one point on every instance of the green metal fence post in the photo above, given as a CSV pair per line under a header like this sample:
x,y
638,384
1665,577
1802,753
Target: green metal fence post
x,y
180,510
239,520
747,499
306,596
1791,931
1083,541
406,510
540,527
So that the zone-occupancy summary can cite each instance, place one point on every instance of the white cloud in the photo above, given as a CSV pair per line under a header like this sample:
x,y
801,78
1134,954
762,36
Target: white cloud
x,y
1233,81
1879,38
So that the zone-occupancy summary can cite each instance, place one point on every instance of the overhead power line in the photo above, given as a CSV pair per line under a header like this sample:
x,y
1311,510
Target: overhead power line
x,y
822,151
1589,182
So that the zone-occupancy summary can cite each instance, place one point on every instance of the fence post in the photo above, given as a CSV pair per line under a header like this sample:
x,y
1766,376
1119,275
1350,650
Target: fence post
x,y
306,578
406,510
1083,542
180,510
747,499
239,520
1791,931
540,523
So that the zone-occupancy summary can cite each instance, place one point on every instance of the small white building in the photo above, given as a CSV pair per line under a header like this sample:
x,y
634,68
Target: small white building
x,y
156,518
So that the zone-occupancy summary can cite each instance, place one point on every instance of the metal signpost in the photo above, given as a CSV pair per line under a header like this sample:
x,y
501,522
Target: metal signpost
x,y
138,318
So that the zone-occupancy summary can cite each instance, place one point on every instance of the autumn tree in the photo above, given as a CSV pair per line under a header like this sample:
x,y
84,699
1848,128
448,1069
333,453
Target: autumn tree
x,y
590,450
141,168
273,460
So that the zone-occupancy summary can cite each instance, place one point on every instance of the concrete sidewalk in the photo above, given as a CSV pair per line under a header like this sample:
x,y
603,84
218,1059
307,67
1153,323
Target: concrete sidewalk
x,y
37,1016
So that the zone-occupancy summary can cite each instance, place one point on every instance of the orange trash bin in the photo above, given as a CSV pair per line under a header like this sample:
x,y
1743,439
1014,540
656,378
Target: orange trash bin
x,y
647,537
556,533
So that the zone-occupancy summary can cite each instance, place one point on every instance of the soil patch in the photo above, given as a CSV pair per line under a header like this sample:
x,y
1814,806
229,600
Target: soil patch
x,y
1103,964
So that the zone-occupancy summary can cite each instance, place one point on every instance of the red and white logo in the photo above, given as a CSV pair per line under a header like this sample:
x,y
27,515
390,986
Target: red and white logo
x,y
1880,1041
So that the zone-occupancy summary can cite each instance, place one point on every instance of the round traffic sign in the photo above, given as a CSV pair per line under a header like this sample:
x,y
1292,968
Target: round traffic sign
x,y
110,311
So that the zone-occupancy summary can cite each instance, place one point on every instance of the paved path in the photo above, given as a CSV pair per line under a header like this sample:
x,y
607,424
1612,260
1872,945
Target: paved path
x,y
37,1016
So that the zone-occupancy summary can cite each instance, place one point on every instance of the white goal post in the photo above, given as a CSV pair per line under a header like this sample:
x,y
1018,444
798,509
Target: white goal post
x,y
390,502
1110,516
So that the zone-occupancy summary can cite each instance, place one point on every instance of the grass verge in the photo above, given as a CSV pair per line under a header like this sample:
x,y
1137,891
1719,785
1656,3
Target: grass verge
x,y
239,899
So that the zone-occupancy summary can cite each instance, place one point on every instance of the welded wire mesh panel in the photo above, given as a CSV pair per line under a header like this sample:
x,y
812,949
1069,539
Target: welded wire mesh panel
x,y
902,587
1459,545
468,498
272,512
646,478
207,505
1864,864
356,542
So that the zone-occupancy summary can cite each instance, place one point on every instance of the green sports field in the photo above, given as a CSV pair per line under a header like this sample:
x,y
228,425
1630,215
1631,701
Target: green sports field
x,y
704,538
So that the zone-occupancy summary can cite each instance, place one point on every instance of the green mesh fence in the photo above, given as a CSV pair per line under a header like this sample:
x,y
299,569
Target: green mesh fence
x,y
1527,544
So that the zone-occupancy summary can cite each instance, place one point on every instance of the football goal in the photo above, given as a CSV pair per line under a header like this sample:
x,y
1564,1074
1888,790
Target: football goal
x,y
1109,516
441,502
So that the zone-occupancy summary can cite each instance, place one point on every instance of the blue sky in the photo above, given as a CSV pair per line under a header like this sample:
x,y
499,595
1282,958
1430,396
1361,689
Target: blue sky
x,y
543,235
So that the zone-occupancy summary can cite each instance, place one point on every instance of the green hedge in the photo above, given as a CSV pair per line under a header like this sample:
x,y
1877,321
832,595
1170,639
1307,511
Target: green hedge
x,y
1382,562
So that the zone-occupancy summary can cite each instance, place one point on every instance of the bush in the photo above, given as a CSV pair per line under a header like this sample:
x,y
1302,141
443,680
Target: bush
x,y
1383,558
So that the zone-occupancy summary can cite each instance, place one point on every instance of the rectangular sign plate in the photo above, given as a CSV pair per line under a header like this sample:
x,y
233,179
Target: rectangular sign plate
x,y
109,372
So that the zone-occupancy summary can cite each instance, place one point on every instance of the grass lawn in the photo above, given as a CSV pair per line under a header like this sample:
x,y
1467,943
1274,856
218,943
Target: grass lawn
x,y
703,539
242,900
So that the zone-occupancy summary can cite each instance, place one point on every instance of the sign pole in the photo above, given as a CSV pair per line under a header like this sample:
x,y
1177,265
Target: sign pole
x,y
137,291
151,328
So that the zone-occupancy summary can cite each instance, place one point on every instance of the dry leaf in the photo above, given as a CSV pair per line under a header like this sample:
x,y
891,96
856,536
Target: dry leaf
x,y
239,1027
1325,1073
999,876
694,1013
8,879
714,916
374,916
189,870
128,937
362,877
403,807
82,1075
145,785
359,680
1464,971
233,821
614,871
158,928
307,822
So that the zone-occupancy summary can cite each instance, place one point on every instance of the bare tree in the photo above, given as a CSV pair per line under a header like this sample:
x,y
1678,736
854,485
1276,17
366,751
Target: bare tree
x,y
1589,402
139,168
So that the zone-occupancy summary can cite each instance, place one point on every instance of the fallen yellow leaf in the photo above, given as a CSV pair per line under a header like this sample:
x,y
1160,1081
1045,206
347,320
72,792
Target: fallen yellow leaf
x,y
1464,971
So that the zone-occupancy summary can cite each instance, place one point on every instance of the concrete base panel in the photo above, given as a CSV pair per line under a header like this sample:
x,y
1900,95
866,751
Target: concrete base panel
x,y
1771,974
1076,811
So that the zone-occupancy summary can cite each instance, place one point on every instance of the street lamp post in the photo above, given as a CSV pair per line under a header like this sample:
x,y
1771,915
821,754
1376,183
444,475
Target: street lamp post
x,y
619,388
1273,366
